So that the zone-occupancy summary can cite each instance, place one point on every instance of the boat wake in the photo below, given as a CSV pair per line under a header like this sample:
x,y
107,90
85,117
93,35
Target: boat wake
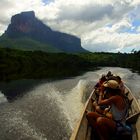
x,y
2,98
44,113
51,110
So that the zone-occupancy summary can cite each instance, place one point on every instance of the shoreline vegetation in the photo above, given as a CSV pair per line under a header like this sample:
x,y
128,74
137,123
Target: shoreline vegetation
x,y
17,64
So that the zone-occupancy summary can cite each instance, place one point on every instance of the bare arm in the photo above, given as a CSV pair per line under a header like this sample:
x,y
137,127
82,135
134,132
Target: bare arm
x,y
108,101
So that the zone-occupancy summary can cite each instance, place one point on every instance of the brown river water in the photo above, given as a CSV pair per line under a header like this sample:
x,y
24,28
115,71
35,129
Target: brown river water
x,y
49,110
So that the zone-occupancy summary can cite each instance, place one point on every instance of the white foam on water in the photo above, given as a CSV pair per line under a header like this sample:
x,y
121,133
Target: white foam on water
x,y
73,102
139,101
2,98
21,126
38,115
47,113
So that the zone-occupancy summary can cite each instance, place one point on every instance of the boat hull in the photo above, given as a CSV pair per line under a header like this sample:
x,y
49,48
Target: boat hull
x,y
83,130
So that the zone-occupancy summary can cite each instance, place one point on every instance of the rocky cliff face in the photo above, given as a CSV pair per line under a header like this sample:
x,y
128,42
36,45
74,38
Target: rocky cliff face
x,y
26,24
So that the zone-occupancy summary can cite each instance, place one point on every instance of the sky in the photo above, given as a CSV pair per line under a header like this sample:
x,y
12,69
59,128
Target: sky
x,y
102,25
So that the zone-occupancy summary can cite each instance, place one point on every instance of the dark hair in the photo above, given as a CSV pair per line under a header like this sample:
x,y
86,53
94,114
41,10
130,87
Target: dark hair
x,y
114,91
112,78
118,78
103,78
109,74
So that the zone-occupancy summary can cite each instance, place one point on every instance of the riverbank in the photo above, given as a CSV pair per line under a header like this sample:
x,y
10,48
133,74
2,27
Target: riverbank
x,y
16,64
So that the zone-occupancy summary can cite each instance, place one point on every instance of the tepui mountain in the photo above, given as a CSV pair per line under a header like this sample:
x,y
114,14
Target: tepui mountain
x,y
26,32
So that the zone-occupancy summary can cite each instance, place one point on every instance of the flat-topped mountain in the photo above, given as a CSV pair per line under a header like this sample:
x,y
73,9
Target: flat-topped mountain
x,y
26,27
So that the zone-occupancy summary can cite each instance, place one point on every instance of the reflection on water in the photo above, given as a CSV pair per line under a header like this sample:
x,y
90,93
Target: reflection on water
x,y
49,110
17,88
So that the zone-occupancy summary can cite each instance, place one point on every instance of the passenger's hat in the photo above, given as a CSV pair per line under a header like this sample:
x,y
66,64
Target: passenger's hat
x,y
111,84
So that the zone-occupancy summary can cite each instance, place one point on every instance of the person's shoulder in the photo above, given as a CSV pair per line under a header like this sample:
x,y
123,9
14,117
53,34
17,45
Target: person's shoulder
x,y
115,98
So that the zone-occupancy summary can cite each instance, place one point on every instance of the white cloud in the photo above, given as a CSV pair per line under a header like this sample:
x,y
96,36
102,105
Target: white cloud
x,y
102,25
86,13
138,29
123,25
106,39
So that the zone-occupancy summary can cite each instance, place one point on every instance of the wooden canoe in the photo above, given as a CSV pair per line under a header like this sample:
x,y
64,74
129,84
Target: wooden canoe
x,y
83,130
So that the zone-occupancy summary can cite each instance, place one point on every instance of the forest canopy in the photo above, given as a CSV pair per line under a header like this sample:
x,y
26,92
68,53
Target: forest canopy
x,y
17,64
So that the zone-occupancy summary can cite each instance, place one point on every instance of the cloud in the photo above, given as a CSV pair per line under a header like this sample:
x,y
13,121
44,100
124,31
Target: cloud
x,y
138,29
85,13
106,39
122,26
102,25
91,10
89,21
102,47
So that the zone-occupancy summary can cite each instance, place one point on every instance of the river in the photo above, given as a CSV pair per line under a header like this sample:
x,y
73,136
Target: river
x,y
49,110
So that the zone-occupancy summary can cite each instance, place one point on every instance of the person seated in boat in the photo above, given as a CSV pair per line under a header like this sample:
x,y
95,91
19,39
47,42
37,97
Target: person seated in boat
x,y
109,74
98,86
102,124
102,109
101,81
120,82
